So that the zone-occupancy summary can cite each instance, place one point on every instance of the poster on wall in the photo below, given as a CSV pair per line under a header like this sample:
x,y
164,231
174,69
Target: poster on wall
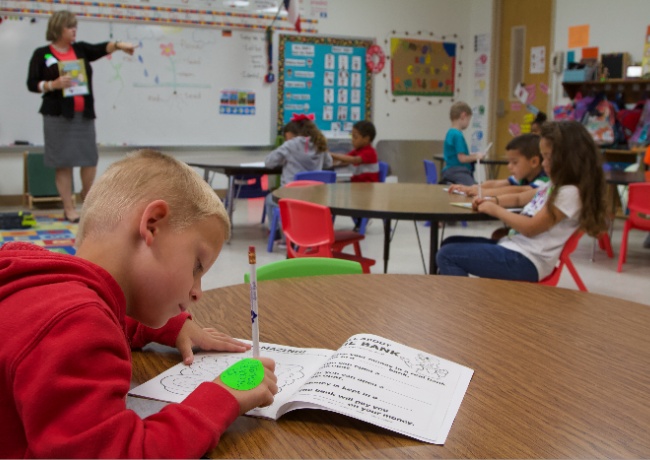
x,y
422,68
325,76
478,131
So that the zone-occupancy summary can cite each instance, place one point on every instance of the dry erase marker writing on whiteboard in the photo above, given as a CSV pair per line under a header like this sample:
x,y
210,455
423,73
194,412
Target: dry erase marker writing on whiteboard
x,y
254,315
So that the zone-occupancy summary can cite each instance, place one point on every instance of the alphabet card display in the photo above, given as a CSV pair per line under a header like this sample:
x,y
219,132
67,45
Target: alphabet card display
x,y
369,378
327,77
422,68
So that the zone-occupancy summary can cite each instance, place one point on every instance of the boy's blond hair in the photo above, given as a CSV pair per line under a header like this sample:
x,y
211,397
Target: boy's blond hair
x,y
140,178
459,108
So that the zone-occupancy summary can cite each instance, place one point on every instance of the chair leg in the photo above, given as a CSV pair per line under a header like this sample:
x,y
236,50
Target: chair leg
x,y
605,243
363,225
263,213
275,221
574,274
623,255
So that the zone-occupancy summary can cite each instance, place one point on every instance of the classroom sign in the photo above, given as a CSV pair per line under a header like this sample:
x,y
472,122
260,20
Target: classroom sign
x,y
325,76
422,68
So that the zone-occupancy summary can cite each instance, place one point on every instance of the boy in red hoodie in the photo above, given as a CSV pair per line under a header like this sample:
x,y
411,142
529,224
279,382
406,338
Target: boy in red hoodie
x,y
150,229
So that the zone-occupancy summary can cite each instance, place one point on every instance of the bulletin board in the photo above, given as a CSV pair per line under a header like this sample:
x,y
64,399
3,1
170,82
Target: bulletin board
x,y
422,68
326,76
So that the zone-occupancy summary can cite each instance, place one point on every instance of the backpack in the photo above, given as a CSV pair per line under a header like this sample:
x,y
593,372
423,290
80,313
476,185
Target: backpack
x,y
600,122
629,119
640,135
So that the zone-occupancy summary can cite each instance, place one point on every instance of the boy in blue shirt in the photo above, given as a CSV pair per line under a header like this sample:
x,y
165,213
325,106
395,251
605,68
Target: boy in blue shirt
x,y
525,165
459,163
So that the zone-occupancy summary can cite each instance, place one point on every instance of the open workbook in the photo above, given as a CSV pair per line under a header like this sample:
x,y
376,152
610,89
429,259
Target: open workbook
x,y
369,378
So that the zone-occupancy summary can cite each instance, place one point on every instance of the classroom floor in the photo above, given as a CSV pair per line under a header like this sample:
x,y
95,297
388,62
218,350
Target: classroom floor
x,y
599,275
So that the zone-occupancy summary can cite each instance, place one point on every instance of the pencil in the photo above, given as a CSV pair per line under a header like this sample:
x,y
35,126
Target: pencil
x,y
480,175
254,315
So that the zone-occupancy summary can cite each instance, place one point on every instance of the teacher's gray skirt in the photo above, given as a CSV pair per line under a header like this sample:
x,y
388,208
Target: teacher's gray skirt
x,y
69,142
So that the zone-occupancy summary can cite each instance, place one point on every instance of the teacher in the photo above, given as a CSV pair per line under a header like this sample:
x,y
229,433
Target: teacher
x,y
68,104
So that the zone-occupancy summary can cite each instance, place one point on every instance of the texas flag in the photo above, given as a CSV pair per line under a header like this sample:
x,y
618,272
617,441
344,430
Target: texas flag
x,y
294,15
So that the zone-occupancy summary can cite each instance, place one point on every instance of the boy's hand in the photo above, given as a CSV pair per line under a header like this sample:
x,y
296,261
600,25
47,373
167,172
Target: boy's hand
x,y
463,189
260,396
192,334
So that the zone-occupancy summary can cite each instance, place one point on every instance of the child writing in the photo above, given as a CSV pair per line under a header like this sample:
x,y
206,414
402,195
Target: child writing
x,y
459,163
364,156
525,165
150,229
304,149
572,200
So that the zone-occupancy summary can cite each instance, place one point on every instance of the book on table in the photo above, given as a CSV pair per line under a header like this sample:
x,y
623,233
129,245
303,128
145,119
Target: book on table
x,y
369,378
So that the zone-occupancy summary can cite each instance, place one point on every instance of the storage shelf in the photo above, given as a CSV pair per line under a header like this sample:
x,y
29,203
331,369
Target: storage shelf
x,y
632,89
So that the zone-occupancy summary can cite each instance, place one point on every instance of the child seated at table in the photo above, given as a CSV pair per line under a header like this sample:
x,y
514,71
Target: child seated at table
x,y
364,156
572,200
150,228
304,149
525,164
459,163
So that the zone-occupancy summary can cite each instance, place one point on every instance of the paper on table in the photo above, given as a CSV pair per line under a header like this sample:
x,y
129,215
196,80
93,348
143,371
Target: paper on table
x,y
255,164
469,206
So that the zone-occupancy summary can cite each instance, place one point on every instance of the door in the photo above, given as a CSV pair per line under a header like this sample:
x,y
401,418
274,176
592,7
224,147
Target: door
x,y
524,37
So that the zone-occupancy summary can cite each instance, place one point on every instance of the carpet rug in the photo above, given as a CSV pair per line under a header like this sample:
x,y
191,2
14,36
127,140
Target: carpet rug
x,y
52,232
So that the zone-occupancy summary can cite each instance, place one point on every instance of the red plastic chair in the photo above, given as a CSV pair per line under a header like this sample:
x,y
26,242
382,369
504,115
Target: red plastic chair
x,y
638,203
342,238
569,247
310,233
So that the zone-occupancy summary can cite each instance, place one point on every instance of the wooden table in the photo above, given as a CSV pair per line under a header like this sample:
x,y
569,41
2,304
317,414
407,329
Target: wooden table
x,y
558,373
389,201
492,164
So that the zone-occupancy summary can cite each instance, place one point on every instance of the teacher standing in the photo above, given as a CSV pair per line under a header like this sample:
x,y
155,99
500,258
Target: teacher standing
x,y
68,120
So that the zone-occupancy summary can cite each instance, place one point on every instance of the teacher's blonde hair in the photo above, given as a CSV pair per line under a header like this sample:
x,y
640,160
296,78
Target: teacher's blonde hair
x,y
57,22
140,178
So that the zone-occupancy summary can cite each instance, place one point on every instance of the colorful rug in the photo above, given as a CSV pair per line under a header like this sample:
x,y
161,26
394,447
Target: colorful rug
x,y
52,233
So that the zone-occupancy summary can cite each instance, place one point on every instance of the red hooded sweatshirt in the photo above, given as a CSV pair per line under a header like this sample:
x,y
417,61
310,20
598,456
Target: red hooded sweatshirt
x,y
65,368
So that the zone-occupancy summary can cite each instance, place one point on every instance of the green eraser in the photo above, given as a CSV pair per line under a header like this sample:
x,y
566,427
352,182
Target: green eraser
x,y
244,375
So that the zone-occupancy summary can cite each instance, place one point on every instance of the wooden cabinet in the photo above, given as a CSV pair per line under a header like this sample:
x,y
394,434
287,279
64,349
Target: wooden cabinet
x,y
633,89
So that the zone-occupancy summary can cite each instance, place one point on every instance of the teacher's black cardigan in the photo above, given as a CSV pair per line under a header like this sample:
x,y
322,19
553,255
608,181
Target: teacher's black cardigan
x,y
53,101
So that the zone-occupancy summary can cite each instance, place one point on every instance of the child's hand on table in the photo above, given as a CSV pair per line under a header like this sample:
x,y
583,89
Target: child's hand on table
x,y
486,205
192,334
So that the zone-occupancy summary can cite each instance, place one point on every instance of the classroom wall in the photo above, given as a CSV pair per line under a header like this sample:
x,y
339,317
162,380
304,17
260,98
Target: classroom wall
x,y
614,27
395,120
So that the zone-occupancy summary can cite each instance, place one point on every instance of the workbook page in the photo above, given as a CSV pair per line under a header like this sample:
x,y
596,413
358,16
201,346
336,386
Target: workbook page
x,y
389,385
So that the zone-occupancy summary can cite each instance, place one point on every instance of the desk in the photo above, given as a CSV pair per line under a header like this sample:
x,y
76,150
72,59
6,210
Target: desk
x,y
232,165
389,201
614,178
492,165
631,156
558,373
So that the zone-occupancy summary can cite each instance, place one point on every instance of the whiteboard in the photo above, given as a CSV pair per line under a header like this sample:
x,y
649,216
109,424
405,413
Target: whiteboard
x,y
183,85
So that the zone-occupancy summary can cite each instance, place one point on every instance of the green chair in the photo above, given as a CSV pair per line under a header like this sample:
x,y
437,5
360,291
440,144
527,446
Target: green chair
x,y
39,183
305,266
